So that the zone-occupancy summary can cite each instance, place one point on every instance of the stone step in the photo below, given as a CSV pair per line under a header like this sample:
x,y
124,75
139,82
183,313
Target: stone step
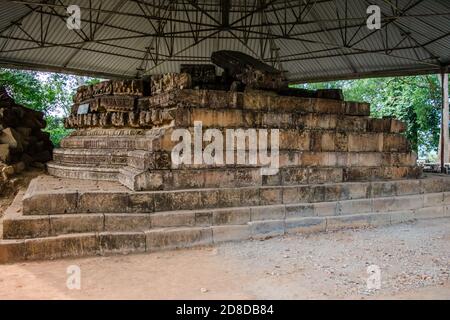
x,y
237,176
258,101
80,157
100,140
86,171
237,118
17,226
48,195
297,139
144,160
106,243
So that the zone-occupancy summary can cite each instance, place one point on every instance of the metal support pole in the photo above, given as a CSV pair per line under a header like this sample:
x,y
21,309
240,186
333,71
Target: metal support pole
x,y
444,120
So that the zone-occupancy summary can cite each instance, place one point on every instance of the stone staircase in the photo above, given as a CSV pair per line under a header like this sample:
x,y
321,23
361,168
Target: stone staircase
x,y
58,218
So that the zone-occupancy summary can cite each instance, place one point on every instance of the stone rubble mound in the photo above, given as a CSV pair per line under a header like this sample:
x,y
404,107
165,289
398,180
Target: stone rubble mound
x,y
22,141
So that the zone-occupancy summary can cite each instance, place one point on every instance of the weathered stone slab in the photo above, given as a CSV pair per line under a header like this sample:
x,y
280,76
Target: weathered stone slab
x,y
407,187
305,225
123,242
203,218
291,195
270,196
61,246
276,212
432,185
395,143
173,219
429,212
20,227
397,203
127,222
299,211
76,223
266,229
433,199
97,202
12,251
357,108
159,239
446,199
234,216
354,206
251,72
366,142
323,209
230,233
50,203
348,222
328,175
117,103
250,196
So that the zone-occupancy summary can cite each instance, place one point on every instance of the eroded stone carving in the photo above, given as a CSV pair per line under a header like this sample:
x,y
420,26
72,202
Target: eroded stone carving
x,y
170,81
117,103
102,88
133,87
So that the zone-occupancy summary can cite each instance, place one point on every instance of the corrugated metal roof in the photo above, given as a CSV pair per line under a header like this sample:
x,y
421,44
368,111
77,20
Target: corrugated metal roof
x,y
310,39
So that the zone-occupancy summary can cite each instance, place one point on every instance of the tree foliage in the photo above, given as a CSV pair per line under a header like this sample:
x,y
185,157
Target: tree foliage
x,y
50,93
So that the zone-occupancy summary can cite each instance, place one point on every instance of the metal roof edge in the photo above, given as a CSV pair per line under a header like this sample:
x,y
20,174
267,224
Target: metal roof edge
x,y
13,64
371,74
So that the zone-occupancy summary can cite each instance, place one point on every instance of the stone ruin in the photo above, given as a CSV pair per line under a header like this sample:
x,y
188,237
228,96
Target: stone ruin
x,y
337,168
22,142
123,130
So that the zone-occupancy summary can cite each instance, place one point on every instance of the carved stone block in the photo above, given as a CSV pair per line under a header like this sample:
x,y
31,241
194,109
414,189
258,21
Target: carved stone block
x,y
170,81
102,88
83,93
117,103
133,87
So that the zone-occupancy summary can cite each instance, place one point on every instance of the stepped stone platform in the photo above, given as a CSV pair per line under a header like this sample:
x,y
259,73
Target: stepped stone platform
x,y
58,218
116,186
320,140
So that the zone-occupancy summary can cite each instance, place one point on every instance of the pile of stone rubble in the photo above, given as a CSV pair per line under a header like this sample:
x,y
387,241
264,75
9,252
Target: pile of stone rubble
x,y
22,142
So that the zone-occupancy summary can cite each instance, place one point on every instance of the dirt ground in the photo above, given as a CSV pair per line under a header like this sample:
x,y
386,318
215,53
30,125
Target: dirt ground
x,y
18,182
413,259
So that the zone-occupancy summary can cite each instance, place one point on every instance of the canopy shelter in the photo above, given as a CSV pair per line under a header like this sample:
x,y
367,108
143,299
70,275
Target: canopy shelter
x,y
311,40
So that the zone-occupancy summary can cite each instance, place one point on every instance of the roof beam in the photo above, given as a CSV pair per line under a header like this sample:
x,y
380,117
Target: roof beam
x,y
14,64
117,7
225,6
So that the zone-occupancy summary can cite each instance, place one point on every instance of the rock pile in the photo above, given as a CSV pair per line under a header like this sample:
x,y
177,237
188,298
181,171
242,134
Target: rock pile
x,y
22,143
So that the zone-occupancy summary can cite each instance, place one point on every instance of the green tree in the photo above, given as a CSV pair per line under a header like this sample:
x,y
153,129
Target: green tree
x,y
50,93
